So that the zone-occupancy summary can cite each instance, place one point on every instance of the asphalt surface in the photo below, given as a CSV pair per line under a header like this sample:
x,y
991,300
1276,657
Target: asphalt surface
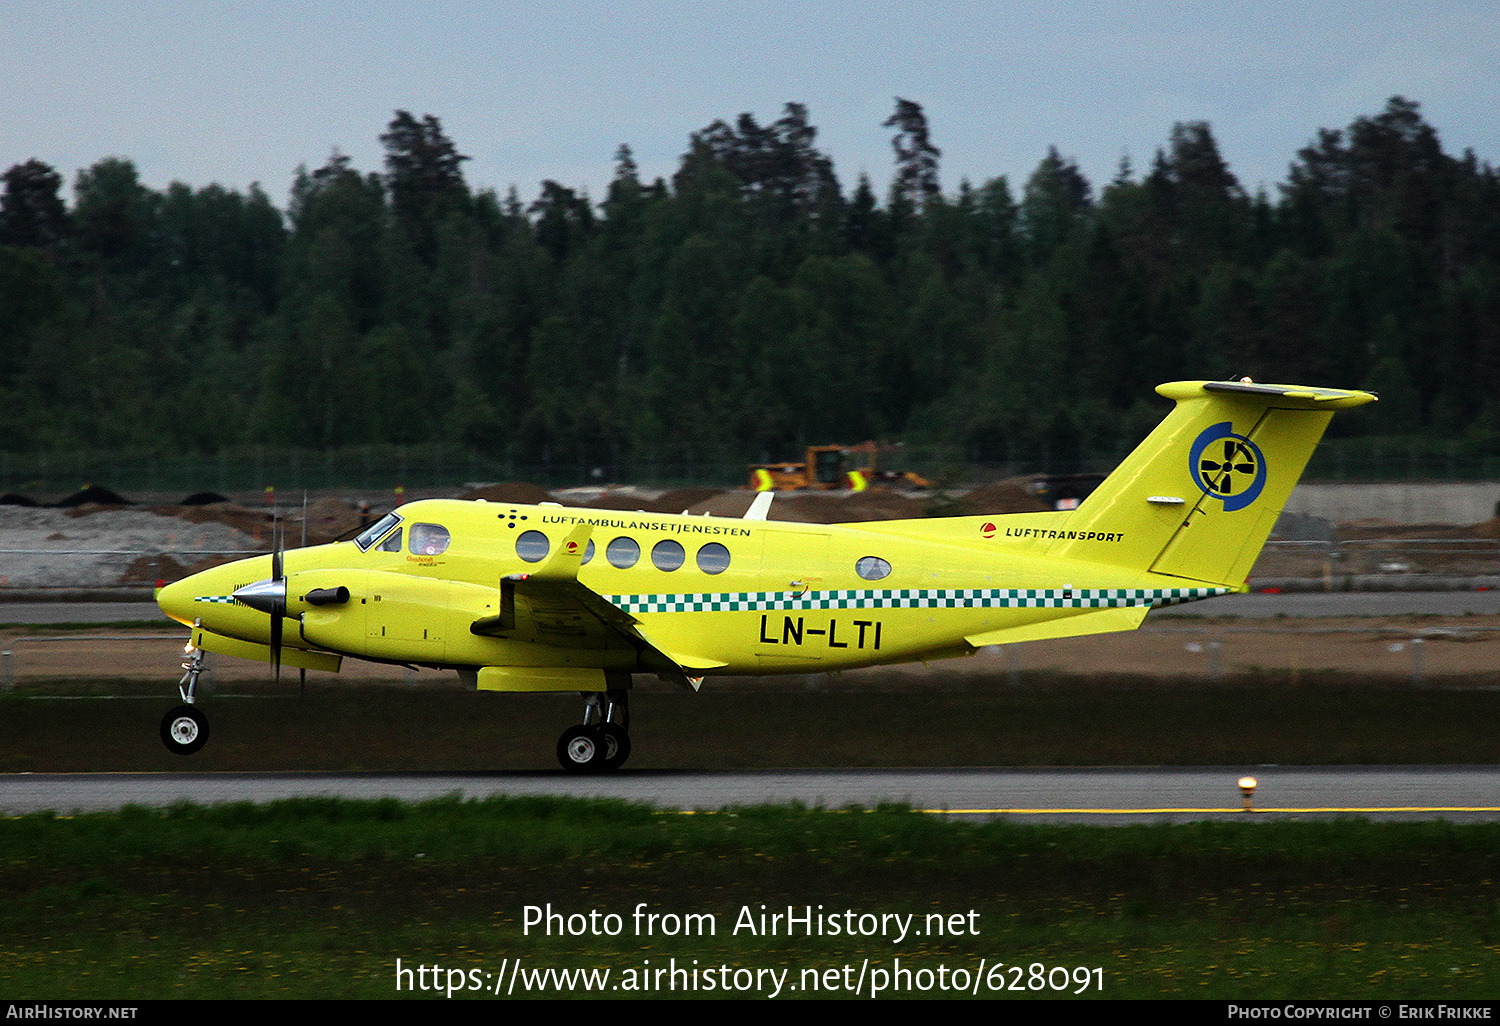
x,y
1459,793
1071,795
81,612
1340,603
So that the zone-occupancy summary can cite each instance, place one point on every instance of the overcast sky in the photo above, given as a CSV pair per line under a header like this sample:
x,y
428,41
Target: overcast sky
x,y
239,92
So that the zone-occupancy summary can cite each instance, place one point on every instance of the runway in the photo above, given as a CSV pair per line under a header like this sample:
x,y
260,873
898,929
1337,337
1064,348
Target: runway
x,y
1099,796
1027,795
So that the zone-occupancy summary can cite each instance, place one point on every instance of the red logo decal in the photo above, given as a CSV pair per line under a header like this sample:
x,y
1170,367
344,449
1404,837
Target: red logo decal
x,y
988,530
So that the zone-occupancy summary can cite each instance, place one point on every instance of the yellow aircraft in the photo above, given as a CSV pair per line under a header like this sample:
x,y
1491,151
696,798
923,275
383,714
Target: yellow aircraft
x,y
548,598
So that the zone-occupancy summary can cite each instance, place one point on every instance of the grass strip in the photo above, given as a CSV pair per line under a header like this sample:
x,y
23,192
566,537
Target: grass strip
x,y
320,897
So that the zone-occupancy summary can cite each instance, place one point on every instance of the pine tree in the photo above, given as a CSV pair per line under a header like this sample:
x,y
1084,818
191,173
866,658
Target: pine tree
x,y
916,178
31,211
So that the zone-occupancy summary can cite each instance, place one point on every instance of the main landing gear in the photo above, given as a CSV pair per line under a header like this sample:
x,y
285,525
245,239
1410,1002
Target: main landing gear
x,y
184,729
602,740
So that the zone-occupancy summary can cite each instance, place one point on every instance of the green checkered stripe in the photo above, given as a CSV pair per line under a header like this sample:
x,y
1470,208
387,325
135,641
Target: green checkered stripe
x,y
227,600
915,598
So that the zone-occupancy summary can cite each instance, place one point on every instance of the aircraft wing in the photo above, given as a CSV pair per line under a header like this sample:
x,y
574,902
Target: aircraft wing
x,y
551,607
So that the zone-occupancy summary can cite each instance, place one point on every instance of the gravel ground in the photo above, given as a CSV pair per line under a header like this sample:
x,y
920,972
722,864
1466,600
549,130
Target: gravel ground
x,y
92,548
108,547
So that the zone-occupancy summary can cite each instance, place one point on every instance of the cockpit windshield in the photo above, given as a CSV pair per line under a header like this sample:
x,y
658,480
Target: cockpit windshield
x,y
372,534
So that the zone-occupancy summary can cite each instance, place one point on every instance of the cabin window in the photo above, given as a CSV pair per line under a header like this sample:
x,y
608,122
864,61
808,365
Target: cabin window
x,y
872,568
622,553
372,534
393,543
667,554
588,552
713,558
429,539
532,546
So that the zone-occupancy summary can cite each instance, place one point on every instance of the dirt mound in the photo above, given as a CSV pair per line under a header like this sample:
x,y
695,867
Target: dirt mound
x,y
95,495
620,500
520,492
254,522
328,520
12,499
679,499
203,499
853,509
150,569
814,507
1008,496
727,504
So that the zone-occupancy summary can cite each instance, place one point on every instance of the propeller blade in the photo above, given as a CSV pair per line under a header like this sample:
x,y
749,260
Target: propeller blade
x,y
276,641
278,610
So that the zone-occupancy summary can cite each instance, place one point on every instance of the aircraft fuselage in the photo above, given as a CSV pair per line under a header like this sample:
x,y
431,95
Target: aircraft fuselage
x,y
722,596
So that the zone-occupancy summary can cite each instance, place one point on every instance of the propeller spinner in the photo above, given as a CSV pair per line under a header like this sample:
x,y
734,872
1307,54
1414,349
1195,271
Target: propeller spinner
x,y
269,596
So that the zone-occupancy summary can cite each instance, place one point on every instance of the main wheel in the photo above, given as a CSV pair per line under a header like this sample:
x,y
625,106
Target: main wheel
x,y
184,730
581,749
616,746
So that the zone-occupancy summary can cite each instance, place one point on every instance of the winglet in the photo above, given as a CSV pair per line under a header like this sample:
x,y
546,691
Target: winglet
x,y
760,506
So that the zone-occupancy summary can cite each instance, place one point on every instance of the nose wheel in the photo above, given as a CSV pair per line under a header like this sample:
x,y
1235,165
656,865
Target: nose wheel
x,y
184,730
602,741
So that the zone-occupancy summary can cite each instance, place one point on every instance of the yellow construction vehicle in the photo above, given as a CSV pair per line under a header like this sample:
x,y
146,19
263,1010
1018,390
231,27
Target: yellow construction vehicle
x,y
827,467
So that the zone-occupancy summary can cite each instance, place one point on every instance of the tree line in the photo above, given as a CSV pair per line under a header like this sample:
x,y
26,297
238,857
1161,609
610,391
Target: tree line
x,y
750,305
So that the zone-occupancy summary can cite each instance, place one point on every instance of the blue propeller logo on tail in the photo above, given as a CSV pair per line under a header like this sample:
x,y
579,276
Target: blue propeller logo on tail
x,y
1227,466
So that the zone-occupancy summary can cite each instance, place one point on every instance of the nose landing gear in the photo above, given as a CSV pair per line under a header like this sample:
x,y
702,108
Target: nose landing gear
x,y
184,729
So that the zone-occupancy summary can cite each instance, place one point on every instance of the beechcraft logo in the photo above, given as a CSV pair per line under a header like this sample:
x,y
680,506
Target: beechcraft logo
x,y
1228,466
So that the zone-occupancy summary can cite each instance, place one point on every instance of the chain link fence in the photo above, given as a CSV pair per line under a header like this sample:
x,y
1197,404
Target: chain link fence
x,y
381,469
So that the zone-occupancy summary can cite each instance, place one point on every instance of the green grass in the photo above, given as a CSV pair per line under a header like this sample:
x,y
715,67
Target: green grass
x,y
319,898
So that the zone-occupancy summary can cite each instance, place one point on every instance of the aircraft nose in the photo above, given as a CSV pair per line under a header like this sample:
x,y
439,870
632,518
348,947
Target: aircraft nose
x,y
204,595
176,600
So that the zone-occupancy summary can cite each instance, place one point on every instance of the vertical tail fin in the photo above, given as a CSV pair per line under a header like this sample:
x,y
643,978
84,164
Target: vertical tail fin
x,y
1198,498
